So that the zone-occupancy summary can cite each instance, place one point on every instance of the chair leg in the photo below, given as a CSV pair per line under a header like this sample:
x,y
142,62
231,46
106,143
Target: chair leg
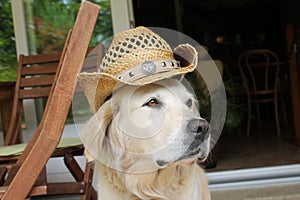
x,y
90,193
3,172
277,118
73,167
283,107
11,174
249,118
258,114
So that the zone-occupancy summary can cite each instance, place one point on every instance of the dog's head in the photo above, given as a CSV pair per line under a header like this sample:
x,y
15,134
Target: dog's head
x,y
149,126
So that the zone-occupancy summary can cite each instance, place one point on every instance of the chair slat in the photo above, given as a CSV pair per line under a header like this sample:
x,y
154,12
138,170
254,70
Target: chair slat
x,y
66,188
41,58
40,69
37,81
34,93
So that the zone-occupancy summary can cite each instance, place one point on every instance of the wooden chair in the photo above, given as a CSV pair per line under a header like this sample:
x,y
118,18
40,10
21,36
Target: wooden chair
x,y
25,175
36,74
34,80
260,72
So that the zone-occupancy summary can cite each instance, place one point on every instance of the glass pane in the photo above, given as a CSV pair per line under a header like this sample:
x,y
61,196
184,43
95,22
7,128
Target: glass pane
x,y
48,23
8,58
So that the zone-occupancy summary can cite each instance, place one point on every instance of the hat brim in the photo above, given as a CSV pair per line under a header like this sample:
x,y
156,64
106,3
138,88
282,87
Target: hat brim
x,y
98,86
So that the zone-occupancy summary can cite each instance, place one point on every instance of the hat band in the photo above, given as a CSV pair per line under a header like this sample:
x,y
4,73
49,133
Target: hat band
x,y
148,68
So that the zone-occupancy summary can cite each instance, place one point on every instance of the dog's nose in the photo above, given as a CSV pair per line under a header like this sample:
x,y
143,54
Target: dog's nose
x,y
198,127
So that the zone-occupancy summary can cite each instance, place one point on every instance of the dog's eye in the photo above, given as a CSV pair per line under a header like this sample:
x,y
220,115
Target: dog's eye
x,y
189,103
151,102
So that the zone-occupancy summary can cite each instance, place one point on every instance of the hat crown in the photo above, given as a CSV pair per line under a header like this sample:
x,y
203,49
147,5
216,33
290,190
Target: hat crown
x,y
125,62
132,47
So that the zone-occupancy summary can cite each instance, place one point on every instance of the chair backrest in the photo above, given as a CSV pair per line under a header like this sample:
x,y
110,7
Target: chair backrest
x,y
36,75
35,78
260,70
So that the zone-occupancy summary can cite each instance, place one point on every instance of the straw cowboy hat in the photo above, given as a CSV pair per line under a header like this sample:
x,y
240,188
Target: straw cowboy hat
x,y
136,57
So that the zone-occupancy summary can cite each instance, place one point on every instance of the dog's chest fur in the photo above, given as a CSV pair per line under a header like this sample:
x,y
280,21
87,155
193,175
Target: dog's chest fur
x,y
174,182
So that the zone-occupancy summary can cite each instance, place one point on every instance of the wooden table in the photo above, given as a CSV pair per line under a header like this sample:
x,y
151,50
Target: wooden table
x,y
6,97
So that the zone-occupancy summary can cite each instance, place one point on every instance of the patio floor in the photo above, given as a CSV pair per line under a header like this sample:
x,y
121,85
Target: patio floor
x,y
236,151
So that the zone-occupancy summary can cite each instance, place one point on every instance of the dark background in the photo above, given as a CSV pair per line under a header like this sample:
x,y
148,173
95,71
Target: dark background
x,y
239,24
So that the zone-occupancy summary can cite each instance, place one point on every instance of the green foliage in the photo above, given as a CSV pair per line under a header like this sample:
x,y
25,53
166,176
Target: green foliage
x,y
53,19
8,58
103,28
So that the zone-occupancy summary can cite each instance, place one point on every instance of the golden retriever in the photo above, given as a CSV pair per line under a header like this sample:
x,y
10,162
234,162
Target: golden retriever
x,y
145,141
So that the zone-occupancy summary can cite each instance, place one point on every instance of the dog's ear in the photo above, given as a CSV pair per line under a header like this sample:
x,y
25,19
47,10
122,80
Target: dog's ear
x,y
93,135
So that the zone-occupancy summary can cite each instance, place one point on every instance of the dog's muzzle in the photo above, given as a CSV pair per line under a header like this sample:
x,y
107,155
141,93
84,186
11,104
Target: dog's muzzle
x,y
197,141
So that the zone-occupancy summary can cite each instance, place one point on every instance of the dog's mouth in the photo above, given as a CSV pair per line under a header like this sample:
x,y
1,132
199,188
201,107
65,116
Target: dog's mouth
x,y
161,163
198,149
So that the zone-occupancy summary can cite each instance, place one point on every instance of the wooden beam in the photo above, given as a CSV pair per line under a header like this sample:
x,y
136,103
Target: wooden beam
x,y
294,82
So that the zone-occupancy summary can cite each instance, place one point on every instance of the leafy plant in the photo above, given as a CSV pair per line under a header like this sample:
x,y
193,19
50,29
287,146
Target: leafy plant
x,y
53,19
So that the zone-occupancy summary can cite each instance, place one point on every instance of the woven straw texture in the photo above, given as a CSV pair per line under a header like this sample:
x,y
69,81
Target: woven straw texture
x,y
127,50
132,47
